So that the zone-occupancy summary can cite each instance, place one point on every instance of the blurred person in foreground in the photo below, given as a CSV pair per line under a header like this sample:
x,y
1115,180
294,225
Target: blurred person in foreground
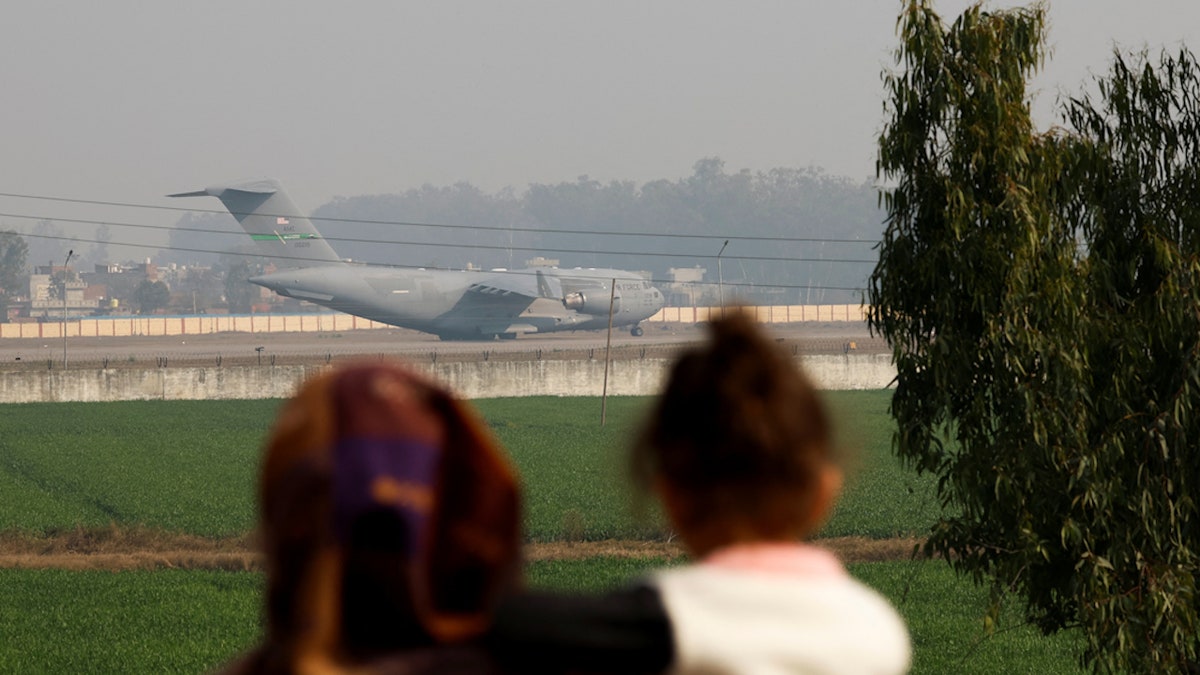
x,y
738,451
390,523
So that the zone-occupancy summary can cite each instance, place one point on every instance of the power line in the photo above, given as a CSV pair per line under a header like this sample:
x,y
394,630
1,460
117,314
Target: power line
x,y
425,267
490,247
493,228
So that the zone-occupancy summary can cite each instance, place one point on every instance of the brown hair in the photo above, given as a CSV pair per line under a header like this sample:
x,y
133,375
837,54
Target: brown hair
x,y
739,434
403,562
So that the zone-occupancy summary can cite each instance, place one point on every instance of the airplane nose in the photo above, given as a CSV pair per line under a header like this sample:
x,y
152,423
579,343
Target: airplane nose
x,y
265,280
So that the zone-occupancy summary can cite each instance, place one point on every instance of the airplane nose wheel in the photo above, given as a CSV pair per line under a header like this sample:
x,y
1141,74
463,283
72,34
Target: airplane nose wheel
x,y
636,331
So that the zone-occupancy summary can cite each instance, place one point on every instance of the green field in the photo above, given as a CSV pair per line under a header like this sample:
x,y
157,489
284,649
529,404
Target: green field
x,y
189,466
188,622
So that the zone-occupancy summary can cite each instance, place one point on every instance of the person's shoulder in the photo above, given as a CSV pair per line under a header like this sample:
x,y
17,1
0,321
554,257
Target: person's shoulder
x,y
623,630
448,659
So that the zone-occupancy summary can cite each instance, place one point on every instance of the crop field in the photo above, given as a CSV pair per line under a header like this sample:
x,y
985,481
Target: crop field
x,y
189,466
173,621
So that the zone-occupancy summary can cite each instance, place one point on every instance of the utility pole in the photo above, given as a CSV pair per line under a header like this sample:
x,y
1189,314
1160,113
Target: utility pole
x,y
612,296
721,280
64,294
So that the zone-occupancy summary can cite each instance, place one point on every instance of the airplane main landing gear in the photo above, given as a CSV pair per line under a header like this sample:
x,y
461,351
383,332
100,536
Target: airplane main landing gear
x,y
636,331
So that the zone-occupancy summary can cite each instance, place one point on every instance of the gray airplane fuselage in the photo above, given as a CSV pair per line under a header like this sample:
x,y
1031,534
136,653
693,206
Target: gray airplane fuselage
x,y
464,304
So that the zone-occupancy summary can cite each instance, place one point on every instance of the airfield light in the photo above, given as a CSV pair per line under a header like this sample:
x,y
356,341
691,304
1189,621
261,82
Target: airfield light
x,y
64,294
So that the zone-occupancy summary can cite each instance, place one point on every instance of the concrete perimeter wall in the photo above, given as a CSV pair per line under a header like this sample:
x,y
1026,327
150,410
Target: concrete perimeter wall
x,y
127,326
483,379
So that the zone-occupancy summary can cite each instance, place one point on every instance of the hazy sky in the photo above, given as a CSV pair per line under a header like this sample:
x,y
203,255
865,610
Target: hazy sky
x,y
128,100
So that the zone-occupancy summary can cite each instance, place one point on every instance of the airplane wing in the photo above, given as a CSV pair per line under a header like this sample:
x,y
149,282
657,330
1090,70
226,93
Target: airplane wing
x,y
508,302
531,285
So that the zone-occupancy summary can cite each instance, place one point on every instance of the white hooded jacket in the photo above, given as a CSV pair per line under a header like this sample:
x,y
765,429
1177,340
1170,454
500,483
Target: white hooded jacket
x,y
769,609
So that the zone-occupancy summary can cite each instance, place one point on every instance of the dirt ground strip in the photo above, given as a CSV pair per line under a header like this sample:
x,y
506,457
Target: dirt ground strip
x,y
115,549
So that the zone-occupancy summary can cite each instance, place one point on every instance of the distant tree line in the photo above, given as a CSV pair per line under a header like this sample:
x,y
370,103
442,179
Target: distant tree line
x,y
570,222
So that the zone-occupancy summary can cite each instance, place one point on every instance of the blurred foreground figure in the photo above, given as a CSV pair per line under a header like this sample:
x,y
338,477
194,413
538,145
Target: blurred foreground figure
x,y
390,523
738,450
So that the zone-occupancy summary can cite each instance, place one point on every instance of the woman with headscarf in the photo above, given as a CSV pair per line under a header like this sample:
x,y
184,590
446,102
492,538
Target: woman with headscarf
x,y
390,523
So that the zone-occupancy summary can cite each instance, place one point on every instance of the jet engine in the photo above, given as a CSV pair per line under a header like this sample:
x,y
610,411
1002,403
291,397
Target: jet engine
x,y
590,302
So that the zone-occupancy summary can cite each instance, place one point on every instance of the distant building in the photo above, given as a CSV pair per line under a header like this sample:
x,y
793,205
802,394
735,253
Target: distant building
x,y
148,270
43,304
687,287
112,285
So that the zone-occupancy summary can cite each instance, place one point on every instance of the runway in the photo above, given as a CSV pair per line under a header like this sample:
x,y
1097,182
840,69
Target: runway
x,y
813,337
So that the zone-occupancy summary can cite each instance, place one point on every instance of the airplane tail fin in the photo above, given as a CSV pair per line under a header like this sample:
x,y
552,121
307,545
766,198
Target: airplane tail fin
x,y
268,215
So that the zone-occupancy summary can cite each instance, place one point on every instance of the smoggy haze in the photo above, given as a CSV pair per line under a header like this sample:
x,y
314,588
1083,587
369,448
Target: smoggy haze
x,y
127,101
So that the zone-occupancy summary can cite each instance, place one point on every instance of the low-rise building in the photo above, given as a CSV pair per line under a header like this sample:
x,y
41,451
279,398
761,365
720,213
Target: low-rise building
x,y
46,302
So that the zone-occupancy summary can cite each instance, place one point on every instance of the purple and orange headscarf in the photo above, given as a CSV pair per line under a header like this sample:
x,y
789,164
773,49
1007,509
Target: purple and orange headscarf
x,y
390,518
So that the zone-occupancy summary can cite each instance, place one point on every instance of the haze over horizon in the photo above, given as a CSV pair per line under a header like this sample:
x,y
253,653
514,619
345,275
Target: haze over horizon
x,y
127,101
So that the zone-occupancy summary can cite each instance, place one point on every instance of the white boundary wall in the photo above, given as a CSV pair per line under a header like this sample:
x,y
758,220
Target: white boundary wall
x,y
128,326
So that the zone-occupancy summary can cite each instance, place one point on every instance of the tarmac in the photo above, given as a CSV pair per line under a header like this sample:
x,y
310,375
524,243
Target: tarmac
x,y
809,338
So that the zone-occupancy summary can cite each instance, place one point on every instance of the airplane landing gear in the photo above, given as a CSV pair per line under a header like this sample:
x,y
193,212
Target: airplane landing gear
x,y
636,331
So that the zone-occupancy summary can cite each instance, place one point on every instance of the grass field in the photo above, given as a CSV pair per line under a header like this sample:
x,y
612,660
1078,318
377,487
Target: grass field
x,y
173,621
189,466
176,465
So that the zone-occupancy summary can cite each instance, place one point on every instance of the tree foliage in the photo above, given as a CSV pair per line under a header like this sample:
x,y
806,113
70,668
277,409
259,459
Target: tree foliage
x,y
1041,292
199,239
239,292
58,282
99,252
49,243
695,214
151,296
14,254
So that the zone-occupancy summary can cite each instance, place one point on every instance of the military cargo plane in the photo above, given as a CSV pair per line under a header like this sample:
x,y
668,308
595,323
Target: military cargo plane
x,y
452,304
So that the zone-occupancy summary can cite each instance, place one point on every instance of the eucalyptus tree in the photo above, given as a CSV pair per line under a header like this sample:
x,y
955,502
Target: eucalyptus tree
x,y
1041,293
